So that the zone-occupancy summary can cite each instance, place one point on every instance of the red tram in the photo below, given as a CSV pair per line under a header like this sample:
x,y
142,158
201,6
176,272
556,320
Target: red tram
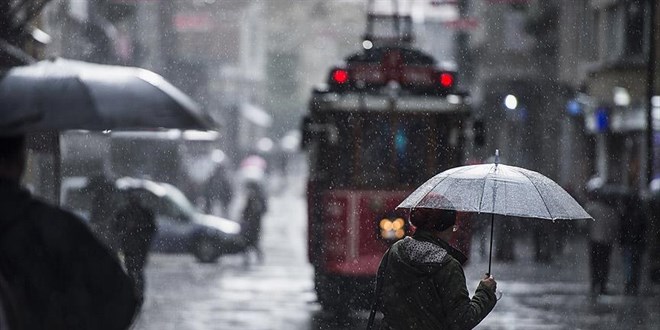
x,y
388,119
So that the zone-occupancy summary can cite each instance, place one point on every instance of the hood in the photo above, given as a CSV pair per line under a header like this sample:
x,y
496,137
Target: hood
x,y
418,257
423,254
224,225
13,202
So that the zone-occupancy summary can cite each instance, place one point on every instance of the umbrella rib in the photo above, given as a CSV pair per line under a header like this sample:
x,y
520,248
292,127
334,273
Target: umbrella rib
x,y
537,190
430,190
483,189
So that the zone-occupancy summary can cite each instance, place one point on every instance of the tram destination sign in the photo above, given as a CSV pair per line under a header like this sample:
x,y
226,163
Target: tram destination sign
x,y
369,102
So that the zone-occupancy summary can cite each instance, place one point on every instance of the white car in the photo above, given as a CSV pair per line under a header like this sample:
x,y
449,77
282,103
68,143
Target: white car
x,y
181,227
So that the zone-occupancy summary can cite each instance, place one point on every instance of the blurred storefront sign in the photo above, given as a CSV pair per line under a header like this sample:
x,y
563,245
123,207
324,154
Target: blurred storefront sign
x,y
193,22
463,24
508,2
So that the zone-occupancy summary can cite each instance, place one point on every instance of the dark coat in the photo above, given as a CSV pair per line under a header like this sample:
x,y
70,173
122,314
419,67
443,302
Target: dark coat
x,y
632,227
219,187
255,207
424,287
60,276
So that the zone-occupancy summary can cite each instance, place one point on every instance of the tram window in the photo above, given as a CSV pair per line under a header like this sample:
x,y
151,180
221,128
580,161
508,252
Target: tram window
x,y
336,157
411,140
375,151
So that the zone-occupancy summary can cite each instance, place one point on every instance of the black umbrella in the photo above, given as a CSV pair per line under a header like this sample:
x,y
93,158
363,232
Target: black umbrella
x,y
60,94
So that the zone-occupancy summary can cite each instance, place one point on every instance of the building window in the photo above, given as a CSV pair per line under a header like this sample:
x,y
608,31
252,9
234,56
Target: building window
x,y
587,33
635,21
515,36
624,30
613,34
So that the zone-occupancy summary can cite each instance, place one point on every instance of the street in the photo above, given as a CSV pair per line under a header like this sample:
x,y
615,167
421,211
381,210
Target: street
x,y
278,294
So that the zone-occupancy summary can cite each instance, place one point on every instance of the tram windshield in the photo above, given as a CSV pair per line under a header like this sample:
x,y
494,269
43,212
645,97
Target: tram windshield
x,y
385,151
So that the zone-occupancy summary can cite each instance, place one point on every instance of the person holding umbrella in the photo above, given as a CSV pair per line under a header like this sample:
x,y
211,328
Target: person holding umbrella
x,y
490,189
423,283
59,274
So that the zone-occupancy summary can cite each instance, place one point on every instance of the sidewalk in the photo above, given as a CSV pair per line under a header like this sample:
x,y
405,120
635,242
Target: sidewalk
x,y
556,295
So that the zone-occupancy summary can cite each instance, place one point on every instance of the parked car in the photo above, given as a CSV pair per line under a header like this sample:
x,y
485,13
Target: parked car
x,y
181,227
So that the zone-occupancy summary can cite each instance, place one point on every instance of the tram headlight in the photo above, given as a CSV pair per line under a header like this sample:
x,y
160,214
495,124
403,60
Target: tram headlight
x,y
386,224
398,224
392,229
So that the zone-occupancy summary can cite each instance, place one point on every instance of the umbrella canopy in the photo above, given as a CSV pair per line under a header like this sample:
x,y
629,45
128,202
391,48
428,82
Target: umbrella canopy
x,y
496,189
59,94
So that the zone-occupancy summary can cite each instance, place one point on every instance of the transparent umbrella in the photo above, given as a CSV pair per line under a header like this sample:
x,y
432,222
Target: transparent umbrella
x,y
495,189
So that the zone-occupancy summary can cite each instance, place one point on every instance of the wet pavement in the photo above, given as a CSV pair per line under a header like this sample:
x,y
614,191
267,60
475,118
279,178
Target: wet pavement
x,y
555,295
278,293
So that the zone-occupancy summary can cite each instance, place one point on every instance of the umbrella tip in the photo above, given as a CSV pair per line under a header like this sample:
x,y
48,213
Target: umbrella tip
x,y
497,156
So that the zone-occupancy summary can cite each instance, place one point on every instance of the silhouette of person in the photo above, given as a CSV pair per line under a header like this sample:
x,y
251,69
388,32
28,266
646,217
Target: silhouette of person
x,y
602,235
59,275
135,226
219,189
254,209
632,232
102,209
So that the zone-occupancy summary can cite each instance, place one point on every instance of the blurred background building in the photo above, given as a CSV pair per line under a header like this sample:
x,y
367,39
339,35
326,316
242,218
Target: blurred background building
x,y
563,87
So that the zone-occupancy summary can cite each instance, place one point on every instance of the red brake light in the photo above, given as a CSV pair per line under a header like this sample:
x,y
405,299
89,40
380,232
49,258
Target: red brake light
x,y
340,76
446,80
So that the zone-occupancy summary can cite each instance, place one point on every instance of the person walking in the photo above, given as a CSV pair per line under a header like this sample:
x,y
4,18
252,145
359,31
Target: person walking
x,y
602,235
255,207
103,194
135,226
422,280
219,189
59,275
632,237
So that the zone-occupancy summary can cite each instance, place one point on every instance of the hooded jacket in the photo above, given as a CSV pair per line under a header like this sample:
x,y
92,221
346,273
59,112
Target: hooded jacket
x,y
59,275
424,287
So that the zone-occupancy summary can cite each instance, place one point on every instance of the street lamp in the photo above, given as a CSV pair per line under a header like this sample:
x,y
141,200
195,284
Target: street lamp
x,y
510,102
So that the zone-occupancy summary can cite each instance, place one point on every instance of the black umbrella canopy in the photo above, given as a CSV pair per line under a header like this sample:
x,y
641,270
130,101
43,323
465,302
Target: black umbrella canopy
x,y
60,94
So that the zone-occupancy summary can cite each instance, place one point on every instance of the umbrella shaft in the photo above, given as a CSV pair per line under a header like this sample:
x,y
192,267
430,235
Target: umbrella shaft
x,y
490,254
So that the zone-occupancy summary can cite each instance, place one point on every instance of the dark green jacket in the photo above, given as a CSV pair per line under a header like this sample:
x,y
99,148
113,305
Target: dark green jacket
x,y
424,287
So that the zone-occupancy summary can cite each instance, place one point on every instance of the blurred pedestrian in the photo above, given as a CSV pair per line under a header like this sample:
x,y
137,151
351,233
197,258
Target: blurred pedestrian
x,y
59,274
219,189
542,236
421,282
255,207
602,235
505,249
135,226
102,209
632,237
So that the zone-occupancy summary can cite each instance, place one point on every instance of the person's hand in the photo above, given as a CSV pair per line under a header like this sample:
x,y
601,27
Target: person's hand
x,y
489,282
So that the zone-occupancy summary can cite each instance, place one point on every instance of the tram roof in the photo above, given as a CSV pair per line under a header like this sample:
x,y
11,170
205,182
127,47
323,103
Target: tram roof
x,y
330,101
